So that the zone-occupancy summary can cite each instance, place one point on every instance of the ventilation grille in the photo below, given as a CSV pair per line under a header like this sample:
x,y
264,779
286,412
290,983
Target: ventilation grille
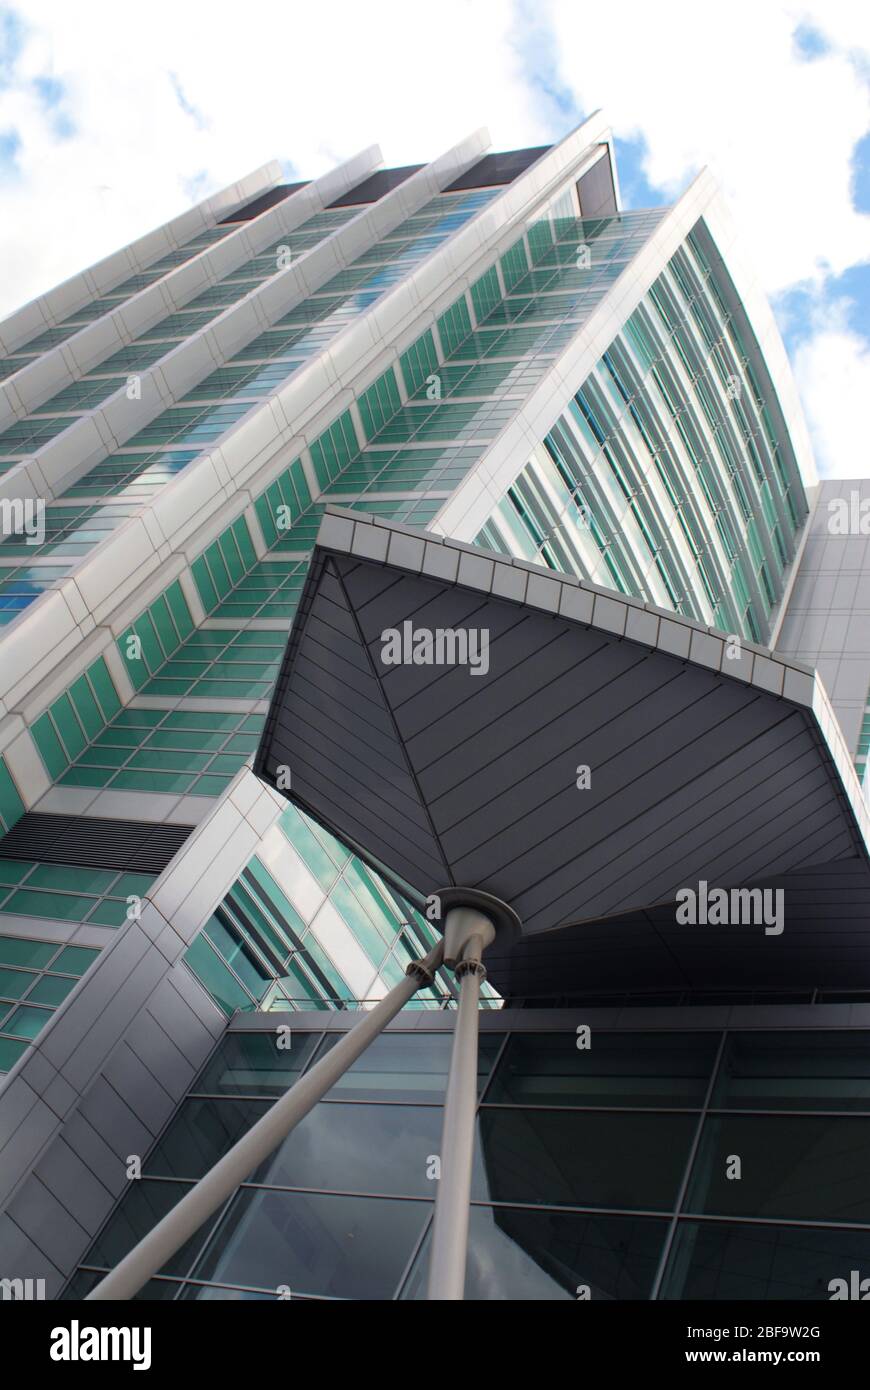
x,y
496,169
262,204
145,846
375,186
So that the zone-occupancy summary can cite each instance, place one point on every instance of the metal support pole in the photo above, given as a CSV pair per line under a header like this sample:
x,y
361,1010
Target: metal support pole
x,y
178,1225
467,933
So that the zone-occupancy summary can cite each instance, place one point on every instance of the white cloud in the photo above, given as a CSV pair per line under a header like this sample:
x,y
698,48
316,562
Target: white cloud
x,y
182,96
832,368
726,89
311,84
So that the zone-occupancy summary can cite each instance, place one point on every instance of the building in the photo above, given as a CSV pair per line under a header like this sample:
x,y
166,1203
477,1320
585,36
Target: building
x,y
487,348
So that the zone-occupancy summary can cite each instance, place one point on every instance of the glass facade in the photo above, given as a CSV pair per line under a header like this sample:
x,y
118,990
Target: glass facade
x,y
40,900
35,975
312,928
62,409
599,1172
667,477
112,299
117,487
411,438
154,746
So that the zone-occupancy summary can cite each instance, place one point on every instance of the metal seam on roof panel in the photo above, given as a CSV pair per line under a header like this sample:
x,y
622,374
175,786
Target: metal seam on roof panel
x,y
412,774
698,769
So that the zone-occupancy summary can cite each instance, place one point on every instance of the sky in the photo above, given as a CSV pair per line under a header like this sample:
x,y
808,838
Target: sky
x,y
114,118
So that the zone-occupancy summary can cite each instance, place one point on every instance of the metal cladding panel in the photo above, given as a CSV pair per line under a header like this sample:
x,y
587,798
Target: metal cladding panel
x,y
824,946
439,776
596,192
336,733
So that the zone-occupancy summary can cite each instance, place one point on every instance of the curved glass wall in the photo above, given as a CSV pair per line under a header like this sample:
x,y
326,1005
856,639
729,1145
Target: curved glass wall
x,y
670,476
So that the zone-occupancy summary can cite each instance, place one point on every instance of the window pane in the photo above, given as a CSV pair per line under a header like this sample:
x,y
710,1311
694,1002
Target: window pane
x,y
384,1149
570,1158
26,1023
625,1069
51,989
13,983
818,1169
200,1133
253,1063
381,1149
795,1071
347,1247
720,1261
407,1066
548,1255
144,1204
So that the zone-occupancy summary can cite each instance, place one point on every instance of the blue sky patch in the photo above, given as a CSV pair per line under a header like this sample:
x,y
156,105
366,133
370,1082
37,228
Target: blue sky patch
x,y
11,42
861,174
52,95
534,44
10,144
634,186
187,106
810,42
795,308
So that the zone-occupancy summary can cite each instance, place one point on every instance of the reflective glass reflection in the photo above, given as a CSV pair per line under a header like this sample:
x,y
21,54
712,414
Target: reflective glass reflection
x,y
144,1204
813,1169
715,1260
407,1066
530,1255
254,1064
348,1247
794,1071
582,1159
360,1148
624,1069
201,1133
554,1131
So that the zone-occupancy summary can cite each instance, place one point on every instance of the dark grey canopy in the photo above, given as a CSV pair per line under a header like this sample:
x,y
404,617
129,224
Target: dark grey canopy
x,y
459,718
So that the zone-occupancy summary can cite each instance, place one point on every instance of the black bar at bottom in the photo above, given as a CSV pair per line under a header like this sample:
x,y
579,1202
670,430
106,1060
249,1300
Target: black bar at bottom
x,y
655,1339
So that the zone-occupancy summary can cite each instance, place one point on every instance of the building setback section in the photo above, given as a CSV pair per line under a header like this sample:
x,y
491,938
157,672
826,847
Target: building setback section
x,y
702,767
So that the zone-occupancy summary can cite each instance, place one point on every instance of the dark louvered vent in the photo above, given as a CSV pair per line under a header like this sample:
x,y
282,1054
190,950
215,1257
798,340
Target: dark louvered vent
x,y
263,203
145,846
375,186
496,169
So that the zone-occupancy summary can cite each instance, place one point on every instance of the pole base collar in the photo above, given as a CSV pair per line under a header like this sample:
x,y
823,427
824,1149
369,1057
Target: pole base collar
x,y
505,921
